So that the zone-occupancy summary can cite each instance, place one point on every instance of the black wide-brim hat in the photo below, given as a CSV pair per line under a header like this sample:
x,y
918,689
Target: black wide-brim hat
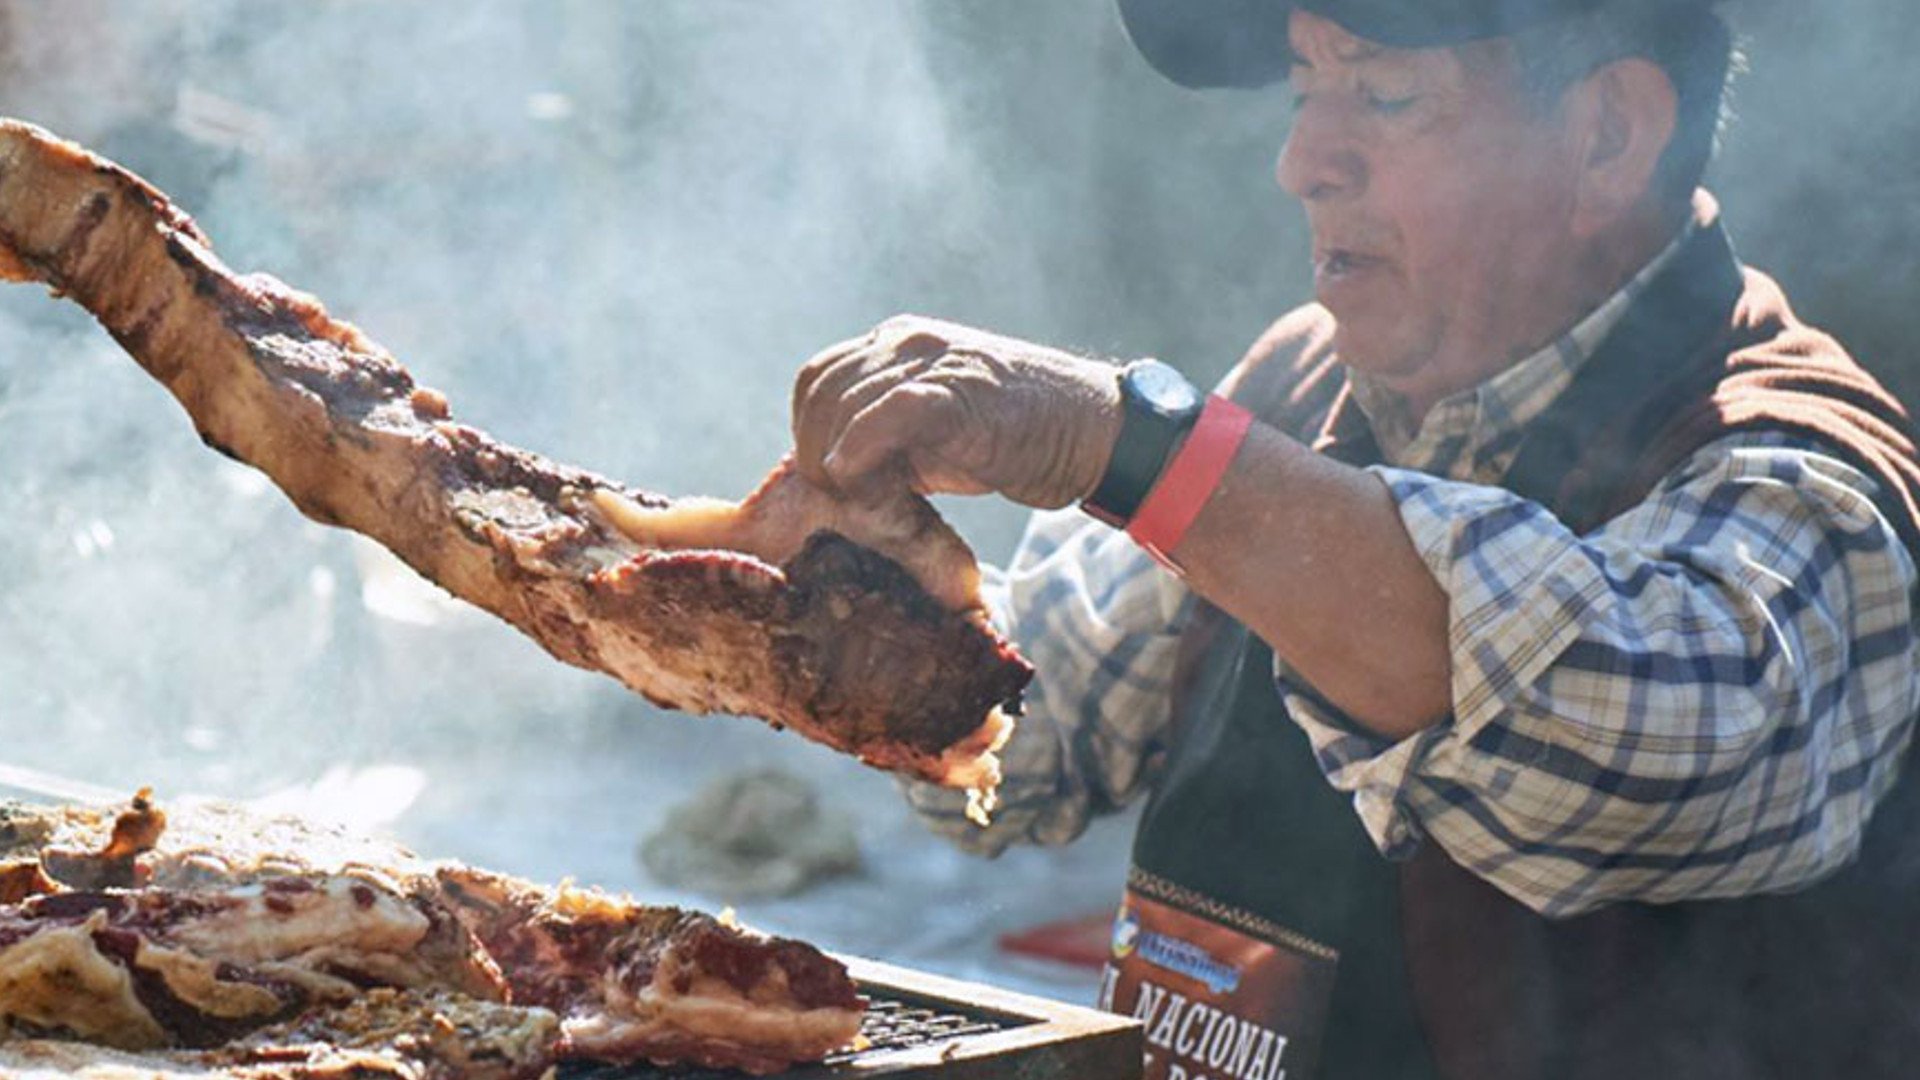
x,y
1225,43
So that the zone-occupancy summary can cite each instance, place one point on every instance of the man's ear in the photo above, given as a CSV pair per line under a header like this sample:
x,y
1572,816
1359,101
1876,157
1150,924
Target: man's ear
x,y
1626,111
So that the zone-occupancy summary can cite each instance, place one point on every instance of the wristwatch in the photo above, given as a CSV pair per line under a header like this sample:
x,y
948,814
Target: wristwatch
x,y
1158,407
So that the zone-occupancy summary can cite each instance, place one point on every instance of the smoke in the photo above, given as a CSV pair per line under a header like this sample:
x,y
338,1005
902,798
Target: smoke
x,y
610,232
1819,176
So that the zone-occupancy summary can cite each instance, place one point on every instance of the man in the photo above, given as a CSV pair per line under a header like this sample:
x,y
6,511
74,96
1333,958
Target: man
x,y
1533,657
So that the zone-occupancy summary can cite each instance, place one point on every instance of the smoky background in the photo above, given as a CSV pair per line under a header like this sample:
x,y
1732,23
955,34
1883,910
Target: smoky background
x,y
610,232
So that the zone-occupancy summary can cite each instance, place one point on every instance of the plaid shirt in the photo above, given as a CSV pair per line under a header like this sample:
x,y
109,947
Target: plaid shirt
x,y
1705,697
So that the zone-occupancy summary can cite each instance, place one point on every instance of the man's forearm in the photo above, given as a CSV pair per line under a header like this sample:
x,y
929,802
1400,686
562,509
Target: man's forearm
x,y
1312,556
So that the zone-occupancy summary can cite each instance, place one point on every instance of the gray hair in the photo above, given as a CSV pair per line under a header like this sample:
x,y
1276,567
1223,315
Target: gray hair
x,y
1690,42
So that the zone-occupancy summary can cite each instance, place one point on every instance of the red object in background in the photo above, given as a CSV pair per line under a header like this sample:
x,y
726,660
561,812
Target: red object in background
x,y
1082,941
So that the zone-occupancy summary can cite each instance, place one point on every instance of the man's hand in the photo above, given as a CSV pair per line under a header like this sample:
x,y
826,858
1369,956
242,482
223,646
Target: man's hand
x,y
946,408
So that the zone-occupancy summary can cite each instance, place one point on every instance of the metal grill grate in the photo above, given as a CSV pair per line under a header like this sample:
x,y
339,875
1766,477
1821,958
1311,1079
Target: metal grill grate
x,y
894,1021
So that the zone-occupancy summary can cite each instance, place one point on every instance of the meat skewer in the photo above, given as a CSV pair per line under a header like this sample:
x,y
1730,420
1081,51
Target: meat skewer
x,y
857,625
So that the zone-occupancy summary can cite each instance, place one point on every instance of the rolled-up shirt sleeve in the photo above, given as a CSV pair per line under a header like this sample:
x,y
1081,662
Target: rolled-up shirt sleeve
x,y
1100,622
1706,697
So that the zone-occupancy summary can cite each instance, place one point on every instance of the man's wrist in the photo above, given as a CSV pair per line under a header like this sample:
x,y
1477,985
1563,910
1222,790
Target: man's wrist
x,y
1158,407
1190,479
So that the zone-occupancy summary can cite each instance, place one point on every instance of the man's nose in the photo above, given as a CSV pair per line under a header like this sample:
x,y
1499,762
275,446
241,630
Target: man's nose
x,y
1319,161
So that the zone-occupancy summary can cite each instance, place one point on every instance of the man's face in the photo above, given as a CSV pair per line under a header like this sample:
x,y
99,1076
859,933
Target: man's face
x,y
1439,203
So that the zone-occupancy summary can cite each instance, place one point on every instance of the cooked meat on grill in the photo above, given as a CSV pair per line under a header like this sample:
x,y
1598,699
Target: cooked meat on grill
x,y
383,1033
249,935
656,983
134,833
858,626
143,969
421,1036
57,1059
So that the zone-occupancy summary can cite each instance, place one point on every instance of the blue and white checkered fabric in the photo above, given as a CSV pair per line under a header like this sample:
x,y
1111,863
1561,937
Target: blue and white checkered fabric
x,y
1706,697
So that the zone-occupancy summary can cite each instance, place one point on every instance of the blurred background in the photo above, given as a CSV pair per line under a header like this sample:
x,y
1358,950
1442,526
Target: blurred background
x,y
610,232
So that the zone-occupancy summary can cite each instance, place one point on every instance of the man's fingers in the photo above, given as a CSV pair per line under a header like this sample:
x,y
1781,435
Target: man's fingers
x,y
911,341
871,387
818,365
842,381
908,416
944,408
819,409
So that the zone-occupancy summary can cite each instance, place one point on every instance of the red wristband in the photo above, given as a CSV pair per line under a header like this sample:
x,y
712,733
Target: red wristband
x,y
1190,479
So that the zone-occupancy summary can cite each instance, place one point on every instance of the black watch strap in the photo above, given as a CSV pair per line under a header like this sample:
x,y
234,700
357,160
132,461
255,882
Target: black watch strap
x,y
1158,406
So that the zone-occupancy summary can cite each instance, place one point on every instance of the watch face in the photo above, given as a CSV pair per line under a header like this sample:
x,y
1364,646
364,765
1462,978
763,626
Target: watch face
x,y
1163,388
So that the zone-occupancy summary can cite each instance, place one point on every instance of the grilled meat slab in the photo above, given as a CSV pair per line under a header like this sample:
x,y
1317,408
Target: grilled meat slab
x,y
269,947
662,984
383,1035
858,626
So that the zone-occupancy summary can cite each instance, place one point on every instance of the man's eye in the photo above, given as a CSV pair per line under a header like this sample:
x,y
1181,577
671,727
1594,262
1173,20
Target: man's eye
x,y
1389,106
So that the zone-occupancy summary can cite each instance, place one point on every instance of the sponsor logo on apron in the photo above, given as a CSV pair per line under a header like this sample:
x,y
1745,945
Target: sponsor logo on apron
x,y
1222,994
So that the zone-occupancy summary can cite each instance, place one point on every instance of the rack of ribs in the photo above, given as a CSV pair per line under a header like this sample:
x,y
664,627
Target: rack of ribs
x,y
857,625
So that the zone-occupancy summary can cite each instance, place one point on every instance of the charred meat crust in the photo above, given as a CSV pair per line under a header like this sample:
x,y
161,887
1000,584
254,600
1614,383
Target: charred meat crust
x,y
880,654
553,955
434,1036
745,963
